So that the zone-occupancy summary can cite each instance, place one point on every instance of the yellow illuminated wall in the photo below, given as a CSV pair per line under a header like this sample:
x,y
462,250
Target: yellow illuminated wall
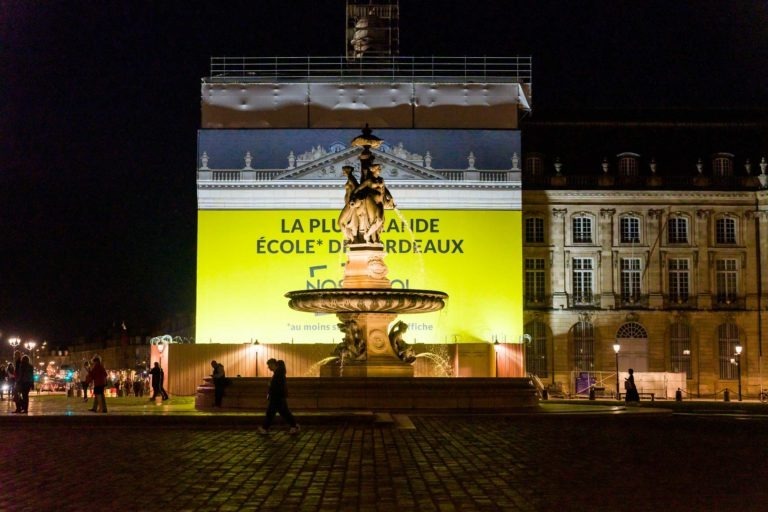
x,y
248,260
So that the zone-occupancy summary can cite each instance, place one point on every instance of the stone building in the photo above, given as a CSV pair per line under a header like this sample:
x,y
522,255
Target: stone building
x,y
658,254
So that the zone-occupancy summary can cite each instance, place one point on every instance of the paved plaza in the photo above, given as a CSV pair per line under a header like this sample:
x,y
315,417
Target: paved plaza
x,y
145,457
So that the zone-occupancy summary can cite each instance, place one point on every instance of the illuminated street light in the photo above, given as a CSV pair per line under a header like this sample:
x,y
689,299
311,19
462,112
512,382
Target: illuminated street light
x,y
616,348
738,366
14,342
496,353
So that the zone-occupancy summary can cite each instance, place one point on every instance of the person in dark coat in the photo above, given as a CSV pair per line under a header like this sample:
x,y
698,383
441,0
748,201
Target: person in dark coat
x,y
157,382
219,378
631,395
25,379
277,398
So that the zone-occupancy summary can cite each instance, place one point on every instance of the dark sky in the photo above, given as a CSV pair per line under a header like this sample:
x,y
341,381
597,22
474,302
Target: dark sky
x,y
99,107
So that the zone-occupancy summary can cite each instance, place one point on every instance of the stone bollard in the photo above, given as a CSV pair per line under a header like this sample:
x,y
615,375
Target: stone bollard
x,y
726,395
679,395
544,394
591,393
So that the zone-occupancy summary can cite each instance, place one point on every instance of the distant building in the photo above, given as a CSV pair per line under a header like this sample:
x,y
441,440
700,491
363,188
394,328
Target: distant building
x,y
649,235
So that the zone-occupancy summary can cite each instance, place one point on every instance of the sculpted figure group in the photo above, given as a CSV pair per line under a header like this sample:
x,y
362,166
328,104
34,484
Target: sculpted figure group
x,y
362,218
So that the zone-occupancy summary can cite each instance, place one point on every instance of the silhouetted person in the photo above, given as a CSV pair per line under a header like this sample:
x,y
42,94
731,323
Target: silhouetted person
x,y
219,382
631,395
98,376
158,376
277,398
25,379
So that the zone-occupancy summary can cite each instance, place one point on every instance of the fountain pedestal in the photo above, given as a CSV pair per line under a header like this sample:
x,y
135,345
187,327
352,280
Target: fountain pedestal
x,y
381,360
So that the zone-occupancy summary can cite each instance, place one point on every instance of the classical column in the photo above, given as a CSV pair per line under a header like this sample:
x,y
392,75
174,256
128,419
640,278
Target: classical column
x,y
557,281
705,259
607,291
654,263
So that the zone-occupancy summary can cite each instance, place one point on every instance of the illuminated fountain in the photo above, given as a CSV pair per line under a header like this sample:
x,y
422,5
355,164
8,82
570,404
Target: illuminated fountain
x,y
366,304
373,359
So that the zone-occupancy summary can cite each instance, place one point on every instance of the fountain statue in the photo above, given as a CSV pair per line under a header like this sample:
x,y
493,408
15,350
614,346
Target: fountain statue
x,y
366,304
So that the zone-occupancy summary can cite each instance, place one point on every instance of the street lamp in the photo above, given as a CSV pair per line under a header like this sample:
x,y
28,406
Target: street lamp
x,y
30,346
616,348
14,342
738,366
496,354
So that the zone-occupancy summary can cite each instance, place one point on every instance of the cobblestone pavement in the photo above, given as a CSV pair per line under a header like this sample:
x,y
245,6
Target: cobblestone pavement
x,y
444,463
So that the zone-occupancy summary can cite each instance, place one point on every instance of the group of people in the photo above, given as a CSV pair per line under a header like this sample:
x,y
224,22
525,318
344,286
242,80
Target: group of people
x,y
20,376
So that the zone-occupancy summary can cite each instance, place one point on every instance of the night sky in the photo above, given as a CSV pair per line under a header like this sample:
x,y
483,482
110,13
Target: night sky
x,y
100,103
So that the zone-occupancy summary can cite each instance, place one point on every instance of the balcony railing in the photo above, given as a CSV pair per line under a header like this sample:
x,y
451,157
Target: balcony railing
x,y
246,176
433,69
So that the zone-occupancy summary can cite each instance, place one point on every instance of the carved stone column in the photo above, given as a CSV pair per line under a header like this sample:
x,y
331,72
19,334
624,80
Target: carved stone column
x,y
559,297
705,258
607,291
654,264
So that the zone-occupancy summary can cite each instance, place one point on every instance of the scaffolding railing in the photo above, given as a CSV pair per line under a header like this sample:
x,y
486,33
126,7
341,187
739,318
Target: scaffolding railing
x,y
516,69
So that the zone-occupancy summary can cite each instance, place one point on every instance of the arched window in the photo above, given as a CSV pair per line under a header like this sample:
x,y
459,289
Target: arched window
x,y
727,339
680,348
536,351
677,229
629,227
631,330
581,229
628,164
725,230
584,346
534,165
722,164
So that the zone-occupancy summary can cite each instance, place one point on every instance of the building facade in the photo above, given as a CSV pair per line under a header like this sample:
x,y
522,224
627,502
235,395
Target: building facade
x,y
625,268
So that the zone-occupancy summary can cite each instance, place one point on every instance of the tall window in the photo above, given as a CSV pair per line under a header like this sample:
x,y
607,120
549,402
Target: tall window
x,y
534,230
630,230
534,280
725,231
536,351
726,279
679,280
628,166
630,279
727,339
582,230
534,165
680,348
677,230
583,274
722,166
584,346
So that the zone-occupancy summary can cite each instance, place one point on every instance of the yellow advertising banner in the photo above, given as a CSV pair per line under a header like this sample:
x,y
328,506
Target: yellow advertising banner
x,y
248,260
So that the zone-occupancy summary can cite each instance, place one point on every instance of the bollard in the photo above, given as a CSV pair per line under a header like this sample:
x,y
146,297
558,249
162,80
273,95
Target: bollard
x,y
679,395
544,394
591,393
726,395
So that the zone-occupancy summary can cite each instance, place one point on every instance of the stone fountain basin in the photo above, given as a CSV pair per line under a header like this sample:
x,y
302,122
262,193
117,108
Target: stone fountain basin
x,y
366,300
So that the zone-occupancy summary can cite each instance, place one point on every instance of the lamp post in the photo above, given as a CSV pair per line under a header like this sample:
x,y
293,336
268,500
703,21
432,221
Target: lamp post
x,y
30,346
14,342
496,354
616,348
738,366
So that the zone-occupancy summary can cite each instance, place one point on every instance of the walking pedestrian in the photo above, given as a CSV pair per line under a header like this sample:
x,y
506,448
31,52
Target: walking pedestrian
x,y
3,376
219,382
157,382
25,379
98,376
85,369
277,399
631,396
16,387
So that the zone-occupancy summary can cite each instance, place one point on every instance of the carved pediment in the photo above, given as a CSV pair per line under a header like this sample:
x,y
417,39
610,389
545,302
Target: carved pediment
x,y
327,165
